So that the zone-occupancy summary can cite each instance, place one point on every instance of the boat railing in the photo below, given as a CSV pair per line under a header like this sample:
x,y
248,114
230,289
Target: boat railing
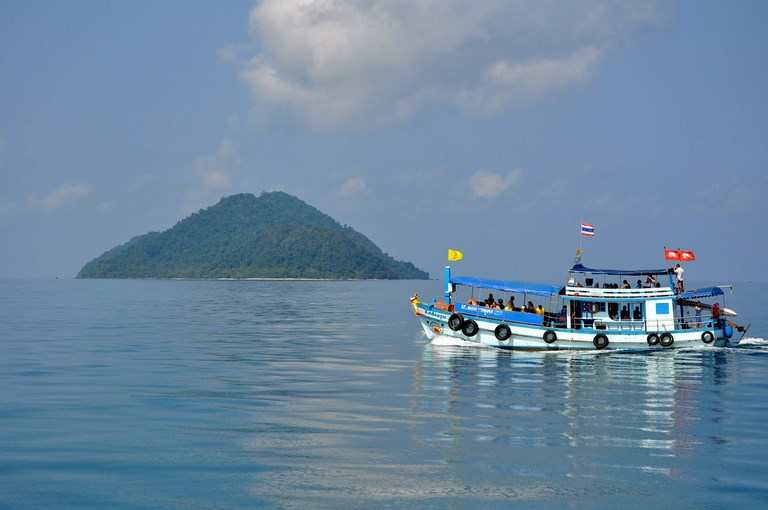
x,y
632,293
697,322
609,324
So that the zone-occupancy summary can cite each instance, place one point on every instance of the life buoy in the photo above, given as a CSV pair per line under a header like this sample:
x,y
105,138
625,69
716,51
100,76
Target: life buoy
x,y
652,339
550,336
502,332
455,322
600,341
666,340
470,328
707,337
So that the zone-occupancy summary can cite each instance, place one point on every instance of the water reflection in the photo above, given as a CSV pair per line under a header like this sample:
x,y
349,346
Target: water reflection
x,y
485,425
589,410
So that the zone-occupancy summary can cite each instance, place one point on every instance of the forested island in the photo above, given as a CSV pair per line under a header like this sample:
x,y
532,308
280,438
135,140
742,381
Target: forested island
x,y
274,235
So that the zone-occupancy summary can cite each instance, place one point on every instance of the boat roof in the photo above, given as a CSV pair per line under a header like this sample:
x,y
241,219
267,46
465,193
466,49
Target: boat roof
x,y
701,293
539,289
581,268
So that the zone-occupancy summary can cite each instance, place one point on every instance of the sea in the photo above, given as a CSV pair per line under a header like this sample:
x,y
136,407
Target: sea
x,y
157,394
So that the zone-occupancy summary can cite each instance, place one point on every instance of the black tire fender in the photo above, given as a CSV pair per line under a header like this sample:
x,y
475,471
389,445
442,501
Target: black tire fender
x,y
707,337
502,332
550,336
455,322
600,341
652,339
470,328
666,340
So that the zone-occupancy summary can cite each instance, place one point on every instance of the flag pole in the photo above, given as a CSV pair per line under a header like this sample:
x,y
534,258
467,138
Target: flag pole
x,y
580,249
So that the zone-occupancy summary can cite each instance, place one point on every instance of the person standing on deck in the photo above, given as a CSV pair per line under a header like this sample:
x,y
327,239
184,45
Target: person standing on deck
x,y
678,270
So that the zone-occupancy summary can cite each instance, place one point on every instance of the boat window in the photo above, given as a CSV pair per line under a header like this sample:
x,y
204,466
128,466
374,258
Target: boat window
x,y
662,308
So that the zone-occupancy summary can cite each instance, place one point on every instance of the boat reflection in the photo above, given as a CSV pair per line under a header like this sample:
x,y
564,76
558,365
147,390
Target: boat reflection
x,y
640,413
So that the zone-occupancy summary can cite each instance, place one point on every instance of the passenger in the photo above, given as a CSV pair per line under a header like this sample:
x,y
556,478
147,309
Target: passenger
x,y
540,310
624,313
472,301
510,304
500,304
678,270
639,284
625,285
490,301
650,281
637,314
530,308
697,314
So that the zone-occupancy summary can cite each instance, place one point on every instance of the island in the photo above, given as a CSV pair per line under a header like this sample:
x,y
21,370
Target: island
x,y
274,235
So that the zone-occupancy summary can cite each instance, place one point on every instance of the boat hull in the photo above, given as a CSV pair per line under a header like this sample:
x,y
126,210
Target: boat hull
x,y
531,337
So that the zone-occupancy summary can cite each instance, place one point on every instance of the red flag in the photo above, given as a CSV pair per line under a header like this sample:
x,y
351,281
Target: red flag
x,y
679,255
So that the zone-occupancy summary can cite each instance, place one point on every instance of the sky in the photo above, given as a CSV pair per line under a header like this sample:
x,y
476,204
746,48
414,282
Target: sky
x,y
491,127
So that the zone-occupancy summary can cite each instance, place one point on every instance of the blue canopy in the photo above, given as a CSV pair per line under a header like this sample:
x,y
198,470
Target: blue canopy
x,y
701,293
580,268
539,289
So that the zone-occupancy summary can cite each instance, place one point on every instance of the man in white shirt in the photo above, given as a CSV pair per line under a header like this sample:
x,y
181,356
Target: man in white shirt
x,y
679,274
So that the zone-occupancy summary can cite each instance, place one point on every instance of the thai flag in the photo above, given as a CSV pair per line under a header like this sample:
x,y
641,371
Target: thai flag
x,y
587,229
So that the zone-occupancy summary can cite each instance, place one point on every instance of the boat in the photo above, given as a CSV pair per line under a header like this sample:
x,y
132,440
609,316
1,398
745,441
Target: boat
x,y
595,309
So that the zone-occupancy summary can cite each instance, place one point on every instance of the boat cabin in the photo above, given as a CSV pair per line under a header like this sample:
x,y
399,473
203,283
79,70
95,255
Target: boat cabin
x,y
604,299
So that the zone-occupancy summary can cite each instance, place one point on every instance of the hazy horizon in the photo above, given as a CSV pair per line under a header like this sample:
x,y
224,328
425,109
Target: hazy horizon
x,y
493,128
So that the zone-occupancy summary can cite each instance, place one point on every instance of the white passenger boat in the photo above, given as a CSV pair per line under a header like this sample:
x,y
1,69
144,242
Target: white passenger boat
x,y
596,309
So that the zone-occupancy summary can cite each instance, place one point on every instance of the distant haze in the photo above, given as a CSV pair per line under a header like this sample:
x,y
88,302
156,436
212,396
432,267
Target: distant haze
x,y
491,127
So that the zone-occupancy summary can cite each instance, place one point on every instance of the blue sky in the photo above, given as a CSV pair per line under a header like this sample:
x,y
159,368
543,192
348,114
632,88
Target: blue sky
x,y
491,127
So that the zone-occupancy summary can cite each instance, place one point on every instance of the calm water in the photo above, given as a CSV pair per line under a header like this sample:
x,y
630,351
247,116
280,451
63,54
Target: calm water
x,y
184,394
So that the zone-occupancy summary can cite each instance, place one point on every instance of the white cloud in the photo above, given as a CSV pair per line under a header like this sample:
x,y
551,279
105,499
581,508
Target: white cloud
x,y
336,62
213,175
59,197
216,180
215,172
353,186
491,185
508,81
